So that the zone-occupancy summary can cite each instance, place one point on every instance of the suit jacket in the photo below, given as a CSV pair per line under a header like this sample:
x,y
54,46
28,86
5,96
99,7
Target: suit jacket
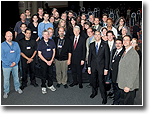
x,y
128,73
87,46
98,61
115,64
79,53
98,29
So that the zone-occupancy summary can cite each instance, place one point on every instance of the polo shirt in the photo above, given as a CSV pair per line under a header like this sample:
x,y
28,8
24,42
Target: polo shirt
x,y
10,54
46,48
28,47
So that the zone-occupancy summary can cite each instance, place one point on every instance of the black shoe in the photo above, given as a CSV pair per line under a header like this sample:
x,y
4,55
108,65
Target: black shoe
x,y
80,86
110,94
58,85
34,84
104,101
73,84
65,86
92,95
22,87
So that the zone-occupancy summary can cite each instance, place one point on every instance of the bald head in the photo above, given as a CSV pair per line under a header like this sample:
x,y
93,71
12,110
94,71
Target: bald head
x,y
9,36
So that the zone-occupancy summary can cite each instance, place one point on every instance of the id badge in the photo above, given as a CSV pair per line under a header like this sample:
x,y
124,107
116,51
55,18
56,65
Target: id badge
x,y
59,46
113,61
48,49
12,51
28,47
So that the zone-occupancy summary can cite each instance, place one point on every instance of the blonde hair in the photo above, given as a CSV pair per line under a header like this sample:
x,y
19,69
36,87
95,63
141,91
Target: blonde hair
x,y
59,25
136,47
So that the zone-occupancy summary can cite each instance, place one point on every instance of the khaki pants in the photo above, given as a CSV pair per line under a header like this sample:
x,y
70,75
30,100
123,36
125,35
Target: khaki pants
x,y
61,71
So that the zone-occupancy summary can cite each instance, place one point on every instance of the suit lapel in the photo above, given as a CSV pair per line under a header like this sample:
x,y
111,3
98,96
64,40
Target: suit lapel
x,y
100,47
78,42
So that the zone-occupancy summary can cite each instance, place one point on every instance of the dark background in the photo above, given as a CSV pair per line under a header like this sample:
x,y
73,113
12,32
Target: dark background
x,y
10,11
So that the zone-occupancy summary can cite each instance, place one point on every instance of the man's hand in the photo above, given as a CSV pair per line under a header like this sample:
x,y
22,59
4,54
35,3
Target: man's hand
x,y
29,60
82,62
68,62
126,89
13,64
105,72
89,71
49,62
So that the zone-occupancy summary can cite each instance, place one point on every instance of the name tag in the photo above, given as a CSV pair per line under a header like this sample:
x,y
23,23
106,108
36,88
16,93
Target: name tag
x,y
34,32
28,47
113,61
59,46
12,51
48,49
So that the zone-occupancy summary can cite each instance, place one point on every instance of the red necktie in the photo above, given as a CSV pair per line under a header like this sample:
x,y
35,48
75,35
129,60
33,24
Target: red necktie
x,y
75,43
124,54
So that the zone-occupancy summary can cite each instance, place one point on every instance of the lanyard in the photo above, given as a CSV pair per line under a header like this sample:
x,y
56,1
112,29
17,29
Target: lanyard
x,y
9,46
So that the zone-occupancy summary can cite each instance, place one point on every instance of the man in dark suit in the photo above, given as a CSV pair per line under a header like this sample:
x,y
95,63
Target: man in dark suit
x,y
78,56
116,56
98,64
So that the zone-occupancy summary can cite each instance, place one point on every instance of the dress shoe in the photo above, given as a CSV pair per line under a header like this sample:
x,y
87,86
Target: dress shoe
x,y
80,86
104,101
34,84
92,96
73,84
65,86
58,85
22,87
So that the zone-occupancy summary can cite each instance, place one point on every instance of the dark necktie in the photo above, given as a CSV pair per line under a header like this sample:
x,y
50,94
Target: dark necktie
x,y
115,55
97,48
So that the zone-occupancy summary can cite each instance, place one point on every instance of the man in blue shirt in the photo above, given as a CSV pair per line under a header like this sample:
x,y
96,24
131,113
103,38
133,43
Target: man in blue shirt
x,y
44,25
10,56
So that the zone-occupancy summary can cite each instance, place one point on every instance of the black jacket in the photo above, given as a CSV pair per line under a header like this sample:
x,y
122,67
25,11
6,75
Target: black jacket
x,y
99,61
115,64
79,53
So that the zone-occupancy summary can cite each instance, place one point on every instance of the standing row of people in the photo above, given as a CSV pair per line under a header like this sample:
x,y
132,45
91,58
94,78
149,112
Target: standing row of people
x,y
94,47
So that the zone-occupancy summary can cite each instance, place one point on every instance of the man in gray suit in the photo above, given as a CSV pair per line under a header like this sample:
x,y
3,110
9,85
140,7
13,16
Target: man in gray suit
x,y
128,73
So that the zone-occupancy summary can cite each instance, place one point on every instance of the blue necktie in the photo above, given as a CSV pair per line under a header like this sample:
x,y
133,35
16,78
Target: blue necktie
x,y
97,48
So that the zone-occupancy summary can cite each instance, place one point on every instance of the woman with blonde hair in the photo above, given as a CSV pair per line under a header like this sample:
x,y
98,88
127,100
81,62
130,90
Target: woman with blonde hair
x,y
137,48
62,23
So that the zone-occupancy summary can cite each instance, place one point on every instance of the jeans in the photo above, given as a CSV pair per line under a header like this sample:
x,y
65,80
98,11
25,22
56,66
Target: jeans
x,y
6,74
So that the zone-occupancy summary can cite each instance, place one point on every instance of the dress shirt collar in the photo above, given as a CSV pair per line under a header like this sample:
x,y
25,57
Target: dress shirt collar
x,y
98,43
77,38
128,49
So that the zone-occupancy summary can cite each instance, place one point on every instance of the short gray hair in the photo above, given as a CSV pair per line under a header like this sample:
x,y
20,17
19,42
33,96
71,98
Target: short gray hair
x,y
76,27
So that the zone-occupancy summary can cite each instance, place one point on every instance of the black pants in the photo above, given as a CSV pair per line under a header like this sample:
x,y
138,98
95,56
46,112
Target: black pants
x,y
28,68
127,98
77,73
97,79
116,91
46,74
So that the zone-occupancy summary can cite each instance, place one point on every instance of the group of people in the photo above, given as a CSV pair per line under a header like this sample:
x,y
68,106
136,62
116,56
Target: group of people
x,y
107,51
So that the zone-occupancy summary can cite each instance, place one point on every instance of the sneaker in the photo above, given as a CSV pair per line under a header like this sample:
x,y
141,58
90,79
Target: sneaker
x,y
58,85
5,96
44,90
52,88
19,91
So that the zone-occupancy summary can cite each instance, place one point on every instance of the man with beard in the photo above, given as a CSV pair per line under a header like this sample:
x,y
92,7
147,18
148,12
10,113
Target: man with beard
x,y
62,58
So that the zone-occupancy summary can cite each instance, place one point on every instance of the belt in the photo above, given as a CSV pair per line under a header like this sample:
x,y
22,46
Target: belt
x,y
48,58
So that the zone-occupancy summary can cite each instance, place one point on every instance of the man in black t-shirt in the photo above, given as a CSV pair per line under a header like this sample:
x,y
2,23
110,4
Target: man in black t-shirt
x,y
62,57
28,51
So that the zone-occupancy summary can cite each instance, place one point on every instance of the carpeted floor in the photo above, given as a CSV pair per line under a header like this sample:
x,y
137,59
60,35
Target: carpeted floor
x,y
62,96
